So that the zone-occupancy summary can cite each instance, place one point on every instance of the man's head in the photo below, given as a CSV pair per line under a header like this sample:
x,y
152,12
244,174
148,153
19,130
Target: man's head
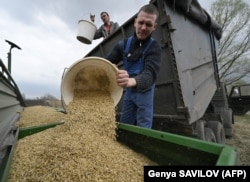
x,y
105,17
146,21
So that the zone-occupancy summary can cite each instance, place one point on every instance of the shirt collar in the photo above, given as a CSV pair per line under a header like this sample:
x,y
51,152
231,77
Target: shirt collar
x,y
141,42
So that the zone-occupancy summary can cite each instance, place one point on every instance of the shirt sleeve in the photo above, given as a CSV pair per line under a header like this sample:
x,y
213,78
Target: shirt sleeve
x,y
116,55
148,76
98,33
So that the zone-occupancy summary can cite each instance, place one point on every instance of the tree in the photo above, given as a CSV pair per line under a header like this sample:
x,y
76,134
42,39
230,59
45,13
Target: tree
x,y
234,50
48,97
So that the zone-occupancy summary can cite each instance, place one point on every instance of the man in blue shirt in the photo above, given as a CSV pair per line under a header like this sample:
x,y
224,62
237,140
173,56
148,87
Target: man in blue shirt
x,y
141,56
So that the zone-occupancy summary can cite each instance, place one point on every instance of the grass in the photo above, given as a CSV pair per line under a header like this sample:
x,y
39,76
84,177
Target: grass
x,y
240,139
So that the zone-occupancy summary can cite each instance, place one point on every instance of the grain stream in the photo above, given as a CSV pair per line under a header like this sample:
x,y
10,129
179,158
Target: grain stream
x,y
84,148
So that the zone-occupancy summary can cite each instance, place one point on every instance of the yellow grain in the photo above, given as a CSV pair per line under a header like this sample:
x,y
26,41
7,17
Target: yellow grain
x,y
84,148
37,115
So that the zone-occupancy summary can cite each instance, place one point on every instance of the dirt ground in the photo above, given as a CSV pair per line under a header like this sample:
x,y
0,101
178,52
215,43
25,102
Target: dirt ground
x,y
241,139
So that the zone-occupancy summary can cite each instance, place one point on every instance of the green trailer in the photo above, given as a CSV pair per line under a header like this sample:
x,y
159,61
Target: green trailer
x,y
165,149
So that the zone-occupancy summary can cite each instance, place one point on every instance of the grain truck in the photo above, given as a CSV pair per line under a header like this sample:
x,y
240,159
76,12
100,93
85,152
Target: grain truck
x,y
239,99
190,101
189,97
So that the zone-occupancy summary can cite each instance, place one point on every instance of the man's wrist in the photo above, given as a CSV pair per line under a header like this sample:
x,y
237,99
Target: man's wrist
x,y
131,82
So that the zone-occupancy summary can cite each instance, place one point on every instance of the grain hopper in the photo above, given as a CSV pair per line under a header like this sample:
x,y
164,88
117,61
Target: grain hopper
x,y
164,148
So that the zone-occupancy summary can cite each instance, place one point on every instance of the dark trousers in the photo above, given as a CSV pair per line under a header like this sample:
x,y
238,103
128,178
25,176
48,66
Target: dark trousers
x,y
137,108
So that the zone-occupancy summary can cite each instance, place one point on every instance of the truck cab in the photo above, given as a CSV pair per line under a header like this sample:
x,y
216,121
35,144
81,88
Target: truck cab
x,y
239,99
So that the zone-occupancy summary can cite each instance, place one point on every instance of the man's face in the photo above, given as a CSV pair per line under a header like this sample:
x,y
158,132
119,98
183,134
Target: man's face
x,y
144,25
105,18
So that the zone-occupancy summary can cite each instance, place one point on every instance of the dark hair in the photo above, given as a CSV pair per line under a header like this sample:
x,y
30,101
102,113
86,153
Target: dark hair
x,y
104,12
151,9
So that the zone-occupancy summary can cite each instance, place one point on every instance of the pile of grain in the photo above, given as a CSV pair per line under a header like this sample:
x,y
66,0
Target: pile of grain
x,y
38,115
82,149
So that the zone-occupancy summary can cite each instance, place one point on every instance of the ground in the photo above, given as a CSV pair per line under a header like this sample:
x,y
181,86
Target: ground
x,y
240,139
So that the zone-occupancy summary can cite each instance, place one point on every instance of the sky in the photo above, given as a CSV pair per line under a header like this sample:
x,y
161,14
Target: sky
x,y
46,31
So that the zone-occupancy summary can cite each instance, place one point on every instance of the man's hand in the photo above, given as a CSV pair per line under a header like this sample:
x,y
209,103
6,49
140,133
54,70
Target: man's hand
x,y
123,79
92,18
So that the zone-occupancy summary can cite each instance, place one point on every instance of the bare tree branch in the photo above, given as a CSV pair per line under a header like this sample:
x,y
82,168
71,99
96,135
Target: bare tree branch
x,y
234,50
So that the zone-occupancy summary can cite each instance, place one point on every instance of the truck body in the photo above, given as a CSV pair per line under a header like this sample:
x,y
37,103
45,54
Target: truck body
x,y
11,105
189,97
